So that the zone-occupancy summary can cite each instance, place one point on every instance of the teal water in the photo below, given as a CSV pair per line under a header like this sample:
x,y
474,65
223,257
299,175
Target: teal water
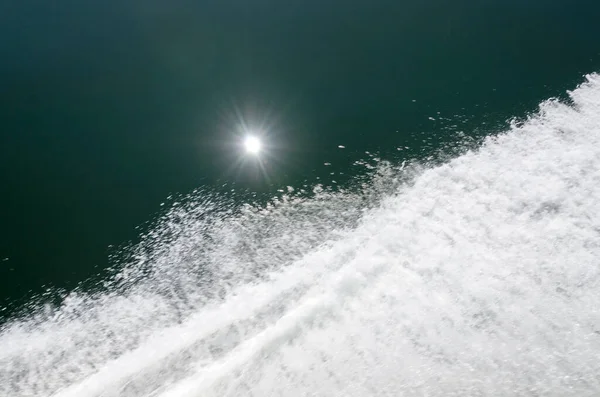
x,y
108,108
124,189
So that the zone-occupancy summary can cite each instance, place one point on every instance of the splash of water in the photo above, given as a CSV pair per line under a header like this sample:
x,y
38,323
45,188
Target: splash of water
x,y
476,277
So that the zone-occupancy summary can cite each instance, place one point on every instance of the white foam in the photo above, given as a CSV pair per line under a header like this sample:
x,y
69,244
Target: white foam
x,y
480,277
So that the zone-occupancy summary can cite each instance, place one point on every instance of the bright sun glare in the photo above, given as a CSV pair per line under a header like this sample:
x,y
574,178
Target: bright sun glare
x,y
252,144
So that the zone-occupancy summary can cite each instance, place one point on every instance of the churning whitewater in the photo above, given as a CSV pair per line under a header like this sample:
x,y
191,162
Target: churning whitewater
x,y
475,277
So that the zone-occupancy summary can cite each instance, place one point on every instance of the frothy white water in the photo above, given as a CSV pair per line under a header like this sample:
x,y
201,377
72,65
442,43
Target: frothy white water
x,y
478,277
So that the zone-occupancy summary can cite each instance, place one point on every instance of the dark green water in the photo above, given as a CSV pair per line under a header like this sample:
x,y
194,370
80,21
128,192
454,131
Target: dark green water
x,y
108,108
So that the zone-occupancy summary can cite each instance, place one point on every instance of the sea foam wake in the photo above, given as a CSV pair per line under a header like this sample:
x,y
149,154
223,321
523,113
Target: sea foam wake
x,y
476,277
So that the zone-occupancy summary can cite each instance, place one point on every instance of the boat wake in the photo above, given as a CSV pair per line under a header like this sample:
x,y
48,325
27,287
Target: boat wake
x,y
476,277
